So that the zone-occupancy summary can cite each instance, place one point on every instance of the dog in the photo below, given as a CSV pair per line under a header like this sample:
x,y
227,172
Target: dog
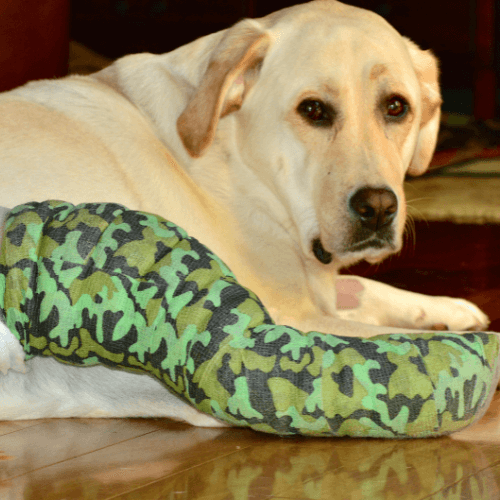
x,y
281,143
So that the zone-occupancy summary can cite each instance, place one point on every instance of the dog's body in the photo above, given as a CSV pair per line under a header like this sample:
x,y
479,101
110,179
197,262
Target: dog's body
x,y
281,144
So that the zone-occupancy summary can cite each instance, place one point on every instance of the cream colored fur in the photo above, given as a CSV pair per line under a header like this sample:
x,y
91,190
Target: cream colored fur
x,y
209,136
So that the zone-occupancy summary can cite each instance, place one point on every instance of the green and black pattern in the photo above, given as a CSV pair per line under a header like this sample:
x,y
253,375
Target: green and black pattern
x,y
100,284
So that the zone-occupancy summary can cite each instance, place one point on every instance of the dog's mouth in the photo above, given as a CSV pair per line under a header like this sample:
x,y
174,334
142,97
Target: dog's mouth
x,y
374,244
324,256
373,249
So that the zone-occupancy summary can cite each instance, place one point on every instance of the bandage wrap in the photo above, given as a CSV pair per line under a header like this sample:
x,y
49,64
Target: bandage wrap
x,y
100,284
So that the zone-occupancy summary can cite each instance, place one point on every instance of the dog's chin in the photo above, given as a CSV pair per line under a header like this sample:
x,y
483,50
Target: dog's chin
x,y
377,259
372,251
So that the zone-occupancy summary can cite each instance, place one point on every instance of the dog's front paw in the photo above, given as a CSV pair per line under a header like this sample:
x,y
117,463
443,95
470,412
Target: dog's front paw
x,y
446,313
11,352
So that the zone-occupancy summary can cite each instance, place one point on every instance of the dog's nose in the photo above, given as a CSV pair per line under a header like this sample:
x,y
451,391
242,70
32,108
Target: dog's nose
x,y
374,207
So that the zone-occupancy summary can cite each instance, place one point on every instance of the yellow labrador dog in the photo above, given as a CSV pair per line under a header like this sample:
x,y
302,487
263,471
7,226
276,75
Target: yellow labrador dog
x,y
281,143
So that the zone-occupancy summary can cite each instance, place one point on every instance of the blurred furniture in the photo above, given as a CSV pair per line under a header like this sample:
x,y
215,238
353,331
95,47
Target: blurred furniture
x,y
487,74
34,40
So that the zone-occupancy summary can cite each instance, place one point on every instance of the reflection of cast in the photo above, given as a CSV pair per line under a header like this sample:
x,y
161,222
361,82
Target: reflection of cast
x,y
354,469
235,465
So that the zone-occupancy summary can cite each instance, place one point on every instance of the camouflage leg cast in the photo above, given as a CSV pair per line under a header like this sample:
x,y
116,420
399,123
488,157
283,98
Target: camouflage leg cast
x,y
100,284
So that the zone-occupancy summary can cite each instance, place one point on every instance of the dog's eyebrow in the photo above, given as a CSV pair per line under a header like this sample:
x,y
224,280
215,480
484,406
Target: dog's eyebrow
x,y
323,90
389,86
329,89
377,70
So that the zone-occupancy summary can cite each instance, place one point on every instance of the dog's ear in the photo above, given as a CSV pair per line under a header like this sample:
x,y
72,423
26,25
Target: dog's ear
x,y
426,67
232,69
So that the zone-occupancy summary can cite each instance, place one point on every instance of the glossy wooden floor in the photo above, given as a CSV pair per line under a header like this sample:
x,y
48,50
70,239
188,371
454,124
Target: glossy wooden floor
x,y
160,459
155,459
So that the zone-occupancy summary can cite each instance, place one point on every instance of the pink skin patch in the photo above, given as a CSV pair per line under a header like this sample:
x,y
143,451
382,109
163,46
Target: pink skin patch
x,y
347,293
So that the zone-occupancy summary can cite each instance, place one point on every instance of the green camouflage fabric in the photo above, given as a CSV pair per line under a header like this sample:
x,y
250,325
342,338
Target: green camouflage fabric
x,y
99,284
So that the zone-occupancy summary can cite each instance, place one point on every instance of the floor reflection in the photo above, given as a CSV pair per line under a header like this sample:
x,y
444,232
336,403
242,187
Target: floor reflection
x,y
285,468
168,460
353,469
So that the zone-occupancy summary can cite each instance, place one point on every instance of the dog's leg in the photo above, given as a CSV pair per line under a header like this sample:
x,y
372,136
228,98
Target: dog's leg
x,y
11,351
49,389
367,301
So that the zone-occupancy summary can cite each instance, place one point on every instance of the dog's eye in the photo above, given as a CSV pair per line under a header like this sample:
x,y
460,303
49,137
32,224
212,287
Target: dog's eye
x,y
396,107
316,112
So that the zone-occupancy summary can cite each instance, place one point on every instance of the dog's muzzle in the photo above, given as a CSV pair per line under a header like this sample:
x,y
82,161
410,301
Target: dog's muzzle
x,y
373,211
374,208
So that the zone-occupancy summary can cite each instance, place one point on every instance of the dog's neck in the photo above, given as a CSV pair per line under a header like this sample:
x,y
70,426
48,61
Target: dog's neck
x,y
173,74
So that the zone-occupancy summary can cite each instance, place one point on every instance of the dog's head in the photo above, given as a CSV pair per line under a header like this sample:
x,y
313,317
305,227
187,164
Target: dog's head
x,y
331,108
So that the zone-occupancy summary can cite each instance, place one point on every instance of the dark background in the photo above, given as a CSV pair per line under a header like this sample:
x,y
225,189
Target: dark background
x,y
460,32
35,34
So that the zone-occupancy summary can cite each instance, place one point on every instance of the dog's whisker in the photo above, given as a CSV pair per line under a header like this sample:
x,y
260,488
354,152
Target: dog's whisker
x,y
423,198
413,211
409,233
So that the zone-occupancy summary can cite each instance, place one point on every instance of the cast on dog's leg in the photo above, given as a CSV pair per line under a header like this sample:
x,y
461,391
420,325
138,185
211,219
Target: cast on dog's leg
x,y
44,388
11,351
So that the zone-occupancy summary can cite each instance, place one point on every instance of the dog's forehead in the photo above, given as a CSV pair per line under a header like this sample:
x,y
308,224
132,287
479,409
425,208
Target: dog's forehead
x,y
331,9
326,31
341,54
324,16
